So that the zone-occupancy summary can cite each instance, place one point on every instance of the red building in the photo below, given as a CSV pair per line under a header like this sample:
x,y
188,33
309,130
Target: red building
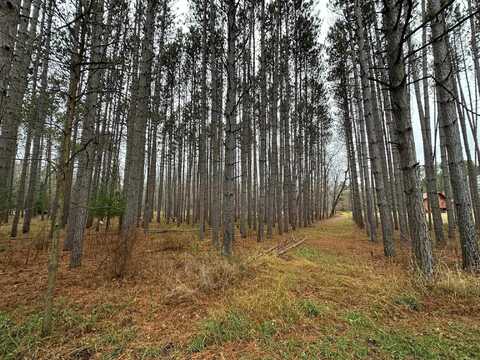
x,y
442,202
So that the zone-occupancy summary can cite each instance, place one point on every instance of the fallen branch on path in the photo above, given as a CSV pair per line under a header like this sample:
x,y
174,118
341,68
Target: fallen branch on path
x,y
284,250
164,231
280,248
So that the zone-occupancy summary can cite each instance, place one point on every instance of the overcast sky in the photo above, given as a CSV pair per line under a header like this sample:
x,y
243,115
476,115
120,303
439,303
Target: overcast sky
x,y
321,9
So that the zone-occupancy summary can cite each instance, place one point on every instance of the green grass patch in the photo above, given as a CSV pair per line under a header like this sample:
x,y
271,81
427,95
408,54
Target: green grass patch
x,y
24,338
106,311
316,255
430,344
231,326
117,337
309,308
114,341
366,340
17,340
309,253
152,352
235,325
267,329
358,320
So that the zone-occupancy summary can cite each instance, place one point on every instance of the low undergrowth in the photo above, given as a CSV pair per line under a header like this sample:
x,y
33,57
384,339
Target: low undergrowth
x,y
23,338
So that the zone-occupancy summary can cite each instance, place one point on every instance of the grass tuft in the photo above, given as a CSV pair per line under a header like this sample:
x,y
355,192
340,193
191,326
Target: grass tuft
x,y
457,283
267,329
309,308
409,301
358,320
231,326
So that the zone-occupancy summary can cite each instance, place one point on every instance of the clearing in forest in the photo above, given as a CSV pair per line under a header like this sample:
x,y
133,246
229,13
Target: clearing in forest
x,y
333,297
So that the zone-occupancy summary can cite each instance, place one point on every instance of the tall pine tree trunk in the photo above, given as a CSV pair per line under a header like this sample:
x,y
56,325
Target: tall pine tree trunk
x,y
403,136
230,113
372,123
39,118
8,21
86,157
263,128
136,143
444,77
431,179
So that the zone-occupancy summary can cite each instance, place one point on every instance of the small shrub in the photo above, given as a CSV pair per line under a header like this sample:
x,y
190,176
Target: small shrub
x,y
197,344
179,294
409,301
217,275
106,205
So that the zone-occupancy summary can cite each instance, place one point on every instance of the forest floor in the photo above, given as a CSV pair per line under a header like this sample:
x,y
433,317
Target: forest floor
x,y
333,297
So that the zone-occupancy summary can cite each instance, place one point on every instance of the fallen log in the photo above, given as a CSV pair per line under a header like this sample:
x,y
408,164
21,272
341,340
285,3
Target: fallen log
x,y
164,231
284,250
280,248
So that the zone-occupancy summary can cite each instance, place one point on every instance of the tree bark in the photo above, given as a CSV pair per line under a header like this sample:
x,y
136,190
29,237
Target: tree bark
x,y
403,136
136,143
78,213
431,179
449,122
263,127
9,14
230,114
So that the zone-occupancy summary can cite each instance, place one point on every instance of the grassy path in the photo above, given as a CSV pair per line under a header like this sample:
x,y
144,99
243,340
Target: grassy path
x,y
337,297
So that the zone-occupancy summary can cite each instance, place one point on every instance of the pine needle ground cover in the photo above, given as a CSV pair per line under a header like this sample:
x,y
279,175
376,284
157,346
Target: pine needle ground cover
x,y
333,297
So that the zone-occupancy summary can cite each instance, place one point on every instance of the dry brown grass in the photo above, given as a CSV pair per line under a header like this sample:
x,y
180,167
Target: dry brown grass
x,y
170,278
